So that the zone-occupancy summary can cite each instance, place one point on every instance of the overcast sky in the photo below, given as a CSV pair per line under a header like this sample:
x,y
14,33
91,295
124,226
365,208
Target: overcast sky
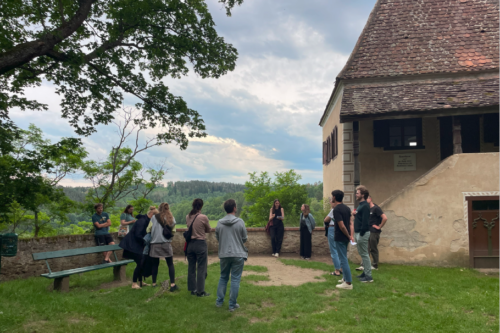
x,y
264,115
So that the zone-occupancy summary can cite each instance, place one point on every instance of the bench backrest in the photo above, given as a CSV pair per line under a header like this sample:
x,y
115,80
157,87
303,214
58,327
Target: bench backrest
x,y
75,252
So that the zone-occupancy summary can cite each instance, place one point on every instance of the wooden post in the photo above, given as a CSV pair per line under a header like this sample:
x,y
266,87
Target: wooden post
x,y
119,273
457,136
62,284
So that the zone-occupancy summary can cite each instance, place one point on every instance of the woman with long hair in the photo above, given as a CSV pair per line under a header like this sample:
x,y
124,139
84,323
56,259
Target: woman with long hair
x,y
197,250
161,246
307,225
126,218
277,230
133,245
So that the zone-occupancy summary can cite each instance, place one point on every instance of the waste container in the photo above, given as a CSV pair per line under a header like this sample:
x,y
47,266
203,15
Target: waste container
x,y
8,246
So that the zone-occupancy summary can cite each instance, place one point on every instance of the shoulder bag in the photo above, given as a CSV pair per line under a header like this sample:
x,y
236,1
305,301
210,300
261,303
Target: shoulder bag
x,y
187,235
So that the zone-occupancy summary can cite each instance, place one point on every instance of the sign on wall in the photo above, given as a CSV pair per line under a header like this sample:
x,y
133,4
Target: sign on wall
x,y
405,162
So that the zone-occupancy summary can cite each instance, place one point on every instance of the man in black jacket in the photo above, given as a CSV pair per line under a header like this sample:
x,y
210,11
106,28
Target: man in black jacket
x,y
362,232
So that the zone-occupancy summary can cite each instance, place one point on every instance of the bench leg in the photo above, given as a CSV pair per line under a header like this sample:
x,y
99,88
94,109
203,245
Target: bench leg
x,y
119,273
62,284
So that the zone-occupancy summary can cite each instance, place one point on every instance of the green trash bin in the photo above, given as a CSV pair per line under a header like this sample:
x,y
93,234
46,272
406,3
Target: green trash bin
x,y
8,246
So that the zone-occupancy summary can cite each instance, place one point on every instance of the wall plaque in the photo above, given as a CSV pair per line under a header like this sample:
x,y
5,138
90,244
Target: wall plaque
x,y
405,162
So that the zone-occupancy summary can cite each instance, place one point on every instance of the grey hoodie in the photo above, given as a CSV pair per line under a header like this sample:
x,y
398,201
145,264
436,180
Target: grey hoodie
x,y
231,234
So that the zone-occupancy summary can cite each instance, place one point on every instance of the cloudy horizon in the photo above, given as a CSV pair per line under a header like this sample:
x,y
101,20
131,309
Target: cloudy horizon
x,y
264,115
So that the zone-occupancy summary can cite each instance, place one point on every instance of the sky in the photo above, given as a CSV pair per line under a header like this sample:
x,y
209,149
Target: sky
x,y
264,115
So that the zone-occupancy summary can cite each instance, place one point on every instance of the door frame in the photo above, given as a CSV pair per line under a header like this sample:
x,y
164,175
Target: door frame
x,y
468,202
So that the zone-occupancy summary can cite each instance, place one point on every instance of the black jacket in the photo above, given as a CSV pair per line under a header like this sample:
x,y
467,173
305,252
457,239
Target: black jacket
x,y
134,240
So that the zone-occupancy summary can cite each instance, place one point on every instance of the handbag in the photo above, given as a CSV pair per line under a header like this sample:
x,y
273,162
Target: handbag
x,y
268,226
188,234
123,231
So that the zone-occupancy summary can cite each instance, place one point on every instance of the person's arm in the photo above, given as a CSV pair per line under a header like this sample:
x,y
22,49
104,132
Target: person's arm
x,y
313,221
102,225
217,232
351,222
282,214
338,217
244,235
327,219
271,215
150,226
208,228
382,223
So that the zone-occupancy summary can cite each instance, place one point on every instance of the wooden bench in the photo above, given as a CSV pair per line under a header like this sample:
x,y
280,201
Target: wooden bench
x,y
61,281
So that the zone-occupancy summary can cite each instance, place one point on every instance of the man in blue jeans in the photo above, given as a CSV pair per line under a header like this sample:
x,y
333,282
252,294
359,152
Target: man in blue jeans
x,y
231,234
330,233
344,230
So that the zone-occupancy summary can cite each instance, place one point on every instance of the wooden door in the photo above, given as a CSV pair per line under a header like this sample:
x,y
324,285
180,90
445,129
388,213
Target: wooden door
x,y
483,232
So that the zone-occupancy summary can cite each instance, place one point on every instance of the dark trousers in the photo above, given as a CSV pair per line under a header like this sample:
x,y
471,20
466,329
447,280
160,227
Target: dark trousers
x,y
305,242
277,232
373,247
171,268
138,268
197,255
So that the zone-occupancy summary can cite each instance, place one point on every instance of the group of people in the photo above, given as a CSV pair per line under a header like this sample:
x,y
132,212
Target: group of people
x,y
149,239
361,227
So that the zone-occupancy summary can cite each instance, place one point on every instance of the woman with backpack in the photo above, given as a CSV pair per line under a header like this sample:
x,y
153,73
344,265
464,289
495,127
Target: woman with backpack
x,y
197,250
162,229
307,225
133,245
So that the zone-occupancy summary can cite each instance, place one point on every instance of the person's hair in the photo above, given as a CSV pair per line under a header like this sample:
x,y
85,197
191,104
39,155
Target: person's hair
x,y
307,209
166,217
338,195
274,204
229,205
97,205
363,190
127,209
153,210
197,206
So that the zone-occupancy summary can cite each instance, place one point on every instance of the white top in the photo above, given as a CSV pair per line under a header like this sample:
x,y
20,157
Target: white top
x,y
330,215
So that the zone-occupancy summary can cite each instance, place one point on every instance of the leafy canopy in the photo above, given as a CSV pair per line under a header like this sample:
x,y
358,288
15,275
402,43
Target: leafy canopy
x,y
94,51
262,190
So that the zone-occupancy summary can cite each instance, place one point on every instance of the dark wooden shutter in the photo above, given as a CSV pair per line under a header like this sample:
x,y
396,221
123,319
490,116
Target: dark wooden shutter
x,y
490,128
328,145
332,148
336,141
324,153
381,133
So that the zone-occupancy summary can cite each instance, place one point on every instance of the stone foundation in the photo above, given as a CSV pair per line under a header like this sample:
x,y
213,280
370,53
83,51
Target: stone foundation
x,y
23,266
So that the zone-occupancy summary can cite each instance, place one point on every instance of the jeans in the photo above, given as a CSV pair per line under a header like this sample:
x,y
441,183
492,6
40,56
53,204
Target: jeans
x,y
373,247
233,266
197,255
342,252
333,249
363,251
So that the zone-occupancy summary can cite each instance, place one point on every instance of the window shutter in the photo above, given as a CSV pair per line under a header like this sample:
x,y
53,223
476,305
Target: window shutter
x,y
381,133
336,141
332,148
490,128
328,145
324,155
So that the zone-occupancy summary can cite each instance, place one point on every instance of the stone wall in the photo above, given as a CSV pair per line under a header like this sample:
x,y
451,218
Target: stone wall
x,y
23,266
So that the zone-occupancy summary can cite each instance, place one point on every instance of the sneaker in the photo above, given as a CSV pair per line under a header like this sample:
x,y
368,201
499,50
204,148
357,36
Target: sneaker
x,y
193,293
174,288
308,258
202,294
341,281
374,268
360,268
235,307
366,279
277,255
361,276
274,254
344,285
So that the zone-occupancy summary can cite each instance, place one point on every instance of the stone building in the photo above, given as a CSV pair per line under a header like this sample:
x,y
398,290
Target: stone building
x,y
414,116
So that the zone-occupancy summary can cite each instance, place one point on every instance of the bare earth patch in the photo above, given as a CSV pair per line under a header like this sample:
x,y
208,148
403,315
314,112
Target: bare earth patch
x,y
283,275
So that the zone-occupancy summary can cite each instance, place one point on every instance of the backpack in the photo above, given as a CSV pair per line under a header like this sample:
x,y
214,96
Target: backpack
x,y
167,232
187,235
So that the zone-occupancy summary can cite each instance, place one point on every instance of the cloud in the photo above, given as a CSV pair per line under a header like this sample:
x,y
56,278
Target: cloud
x,y
264,115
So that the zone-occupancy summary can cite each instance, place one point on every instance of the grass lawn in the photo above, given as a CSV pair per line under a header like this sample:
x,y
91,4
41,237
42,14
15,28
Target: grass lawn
x,y
402,299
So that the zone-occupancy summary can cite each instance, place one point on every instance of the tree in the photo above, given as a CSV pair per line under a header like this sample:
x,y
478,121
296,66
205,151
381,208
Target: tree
x,y
261,191
121,174
94,51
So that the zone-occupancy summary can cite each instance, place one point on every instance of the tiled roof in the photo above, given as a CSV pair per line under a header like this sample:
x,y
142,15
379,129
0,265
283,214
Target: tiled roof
x,y
407,37
363,99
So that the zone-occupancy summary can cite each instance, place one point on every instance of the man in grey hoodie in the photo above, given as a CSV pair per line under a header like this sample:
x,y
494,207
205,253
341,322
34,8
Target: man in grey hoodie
x,y
231,234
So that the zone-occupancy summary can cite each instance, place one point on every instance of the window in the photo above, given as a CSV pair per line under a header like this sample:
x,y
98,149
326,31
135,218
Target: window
x,y
398,134
490,128
330,147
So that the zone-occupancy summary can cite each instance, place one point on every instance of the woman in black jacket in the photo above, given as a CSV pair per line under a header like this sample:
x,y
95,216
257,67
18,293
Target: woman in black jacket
x,y
133,245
